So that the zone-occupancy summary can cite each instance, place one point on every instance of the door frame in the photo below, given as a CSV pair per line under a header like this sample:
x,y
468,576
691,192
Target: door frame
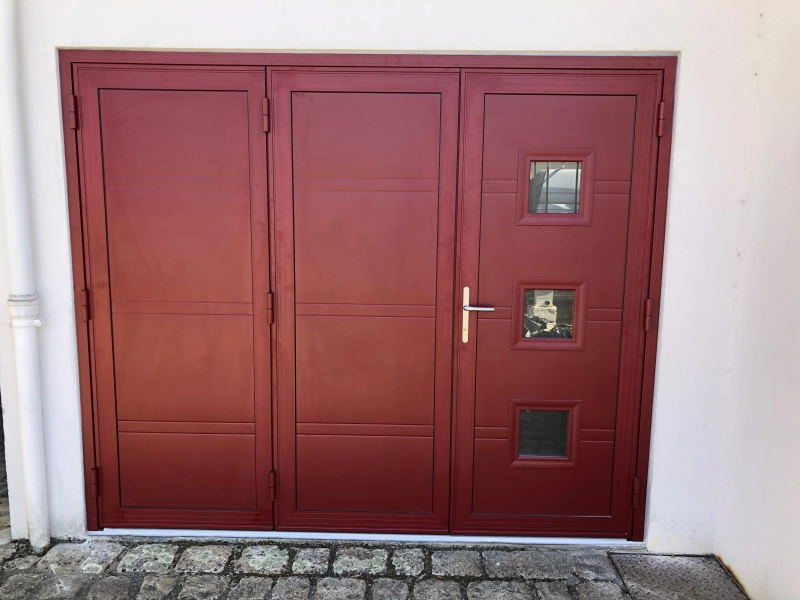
x,y
664,67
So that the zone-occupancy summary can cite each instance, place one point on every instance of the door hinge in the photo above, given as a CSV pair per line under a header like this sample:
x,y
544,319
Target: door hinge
x,y
86,311
662,118
265,113
72,111
272,486
270,308
648,314
635,495
94,481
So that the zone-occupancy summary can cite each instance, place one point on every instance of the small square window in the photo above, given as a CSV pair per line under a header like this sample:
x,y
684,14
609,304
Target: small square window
x,y
548,314
543,433
555,187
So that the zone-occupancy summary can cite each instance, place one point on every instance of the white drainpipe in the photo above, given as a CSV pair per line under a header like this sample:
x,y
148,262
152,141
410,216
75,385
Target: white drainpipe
x,y
23,305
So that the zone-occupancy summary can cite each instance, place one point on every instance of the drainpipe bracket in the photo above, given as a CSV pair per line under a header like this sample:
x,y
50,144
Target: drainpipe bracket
x,y
24,310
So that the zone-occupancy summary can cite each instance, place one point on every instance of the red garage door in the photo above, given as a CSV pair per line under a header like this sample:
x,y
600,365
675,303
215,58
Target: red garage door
x,y
175,187
555,210
450,327
365,199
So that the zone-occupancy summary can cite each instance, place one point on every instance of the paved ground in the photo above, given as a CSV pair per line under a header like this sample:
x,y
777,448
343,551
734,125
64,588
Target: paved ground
x,y
192,570
4,517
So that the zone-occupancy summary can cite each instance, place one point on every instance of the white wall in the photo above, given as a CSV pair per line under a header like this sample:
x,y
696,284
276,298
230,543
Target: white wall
x,y
718,42
758,521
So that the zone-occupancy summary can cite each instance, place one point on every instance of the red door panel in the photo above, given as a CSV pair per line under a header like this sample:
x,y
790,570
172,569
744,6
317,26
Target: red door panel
x,y
175,191
216,362
333,474
554,226
365,369
522,488
187,470
365,201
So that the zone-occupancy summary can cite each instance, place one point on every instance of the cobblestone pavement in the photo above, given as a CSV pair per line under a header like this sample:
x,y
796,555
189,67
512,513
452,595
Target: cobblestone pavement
x,y
167,569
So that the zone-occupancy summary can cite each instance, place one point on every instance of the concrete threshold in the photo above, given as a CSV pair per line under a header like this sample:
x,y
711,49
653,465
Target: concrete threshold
x,y
367,537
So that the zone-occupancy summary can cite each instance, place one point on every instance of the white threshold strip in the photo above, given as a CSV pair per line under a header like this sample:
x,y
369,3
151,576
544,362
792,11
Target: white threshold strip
x,y
366,537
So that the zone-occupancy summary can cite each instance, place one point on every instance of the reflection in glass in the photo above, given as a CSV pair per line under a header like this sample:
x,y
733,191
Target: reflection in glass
x,y
548,313
543,433
555,187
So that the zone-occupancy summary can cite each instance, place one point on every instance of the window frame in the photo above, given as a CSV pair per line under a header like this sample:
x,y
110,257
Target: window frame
x,y
586,156
578,339
570,461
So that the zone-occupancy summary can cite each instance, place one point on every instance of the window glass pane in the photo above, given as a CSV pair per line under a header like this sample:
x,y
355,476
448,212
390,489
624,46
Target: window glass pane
x,y
543,432
548,313
555,187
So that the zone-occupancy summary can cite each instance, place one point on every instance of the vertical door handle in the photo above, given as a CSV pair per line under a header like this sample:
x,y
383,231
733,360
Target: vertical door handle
x,y
465,315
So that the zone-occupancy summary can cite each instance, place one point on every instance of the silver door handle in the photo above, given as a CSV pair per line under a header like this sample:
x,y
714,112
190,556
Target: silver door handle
x,y
465,315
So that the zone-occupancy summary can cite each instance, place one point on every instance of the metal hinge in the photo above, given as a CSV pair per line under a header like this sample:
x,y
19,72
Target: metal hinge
x,y
272,486
270,308
94,481
635,495
86,311
265,113
662,118
72,111
648,314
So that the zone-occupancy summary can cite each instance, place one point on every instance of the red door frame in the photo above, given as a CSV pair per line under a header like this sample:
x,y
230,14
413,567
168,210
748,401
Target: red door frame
x,y
665,67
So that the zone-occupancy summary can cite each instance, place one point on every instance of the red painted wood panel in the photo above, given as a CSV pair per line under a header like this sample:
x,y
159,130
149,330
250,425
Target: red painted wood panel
x,y
365,370
179,470
177,195
383,474
365,190
509,116
503,373
176,219
583,491
184,367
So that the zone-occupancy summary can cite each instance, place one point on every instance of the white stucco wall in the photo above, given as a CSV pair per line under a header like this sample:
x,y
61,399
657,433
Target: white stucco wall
x,y
757,518
708,393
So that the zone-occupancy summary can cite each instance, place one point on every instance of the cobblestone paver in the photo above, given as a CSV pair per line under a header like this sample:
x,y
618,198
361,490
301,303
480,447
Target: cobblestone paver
x,y
457,563
148,558
157,587
408,561
84,558
181,569
251,588
311,561
264,560
360,561
204,559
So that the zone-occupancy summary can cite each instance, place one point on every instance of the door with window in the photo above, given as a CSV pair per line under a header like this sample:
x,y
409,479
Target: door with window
x,y
557,173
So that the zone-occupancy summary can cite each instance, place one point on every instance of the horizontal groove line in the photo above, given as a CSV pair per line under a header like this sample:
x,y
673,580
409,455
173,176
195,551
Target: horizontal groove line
x,y
365,310
366,430
191,427
365,184
183,308
367,316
